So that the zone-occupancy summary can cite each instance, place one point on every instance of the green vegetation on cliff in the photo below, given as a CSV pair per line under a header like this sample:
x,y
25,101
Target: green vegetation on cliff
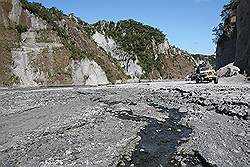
x,y
225,30
50,15
134,38
75,38
21,28
140,41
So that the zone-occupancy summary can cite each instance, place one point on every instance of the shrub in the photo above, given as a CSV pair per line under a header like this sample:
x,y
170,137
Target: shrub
x,y
221,32
133,37
21,28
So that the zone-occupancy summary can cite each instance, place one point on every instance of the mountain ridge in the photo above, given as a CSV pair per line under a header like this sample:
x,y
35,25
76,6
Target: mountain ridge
x,y
48,47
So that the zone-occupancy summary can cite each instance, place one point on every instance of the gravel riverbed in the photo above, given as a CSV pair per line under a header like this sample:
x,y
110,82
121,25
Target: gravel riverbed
x,y
147,124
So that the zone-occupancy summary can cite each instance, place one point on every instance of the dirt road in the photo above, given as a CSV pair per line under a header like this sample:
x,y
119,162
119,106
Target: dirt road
x,y
147,124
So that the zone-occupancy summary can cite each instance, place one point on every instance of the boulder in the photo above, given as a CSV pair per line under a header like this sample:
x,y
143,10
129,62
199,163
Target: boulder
x,y
228,71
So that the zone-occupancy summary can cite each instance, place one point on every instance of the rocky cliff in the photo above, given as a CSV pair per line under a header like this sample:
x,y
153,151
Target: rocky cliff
x,y
141,50
243,38
43,47
233,36
227,35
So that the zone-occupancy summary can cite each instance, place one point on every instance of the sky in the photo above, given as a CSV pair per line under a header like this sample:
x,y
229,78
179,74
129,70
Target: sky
x,y
187,24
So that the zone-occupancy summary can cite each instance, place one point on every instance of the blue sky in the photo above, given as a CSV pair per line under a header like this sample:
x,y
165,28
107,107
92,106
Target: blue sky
x,y
187,24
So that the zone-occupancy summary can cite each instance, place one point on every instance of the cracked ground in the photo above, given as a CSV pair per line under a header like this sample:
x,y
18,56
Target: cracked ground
x,y
147,124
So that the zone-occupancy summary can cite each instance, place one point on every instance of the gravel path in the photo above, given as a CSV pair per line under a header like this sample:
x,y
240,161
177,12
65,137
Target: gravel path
x,y
147,124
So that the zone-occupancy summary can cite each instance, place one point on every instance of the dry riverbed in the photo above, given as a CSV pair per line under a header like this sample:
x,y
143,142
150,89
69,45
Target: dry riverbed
x,y
147,124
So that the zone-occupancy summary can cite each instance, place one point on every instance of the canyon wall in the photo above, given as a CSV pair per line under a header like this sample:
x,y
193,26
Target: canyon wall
x,y
42,46
233,45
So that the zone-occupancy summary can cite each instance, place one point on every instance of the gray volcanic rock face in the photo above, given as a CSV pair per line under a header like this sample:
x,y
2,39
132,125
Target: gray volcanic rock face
x,y
148,124
243,39
234,45
226,44
225,53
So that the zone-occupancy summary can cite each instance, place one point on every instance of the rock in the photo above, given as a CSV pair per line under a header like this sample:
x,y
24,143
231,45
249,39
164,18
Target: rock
x,y
109,45
88,72
242,59
178,158
84,132
68,152
183,164
122,164
225,52
16,11
184,139
182,110
127,158
228,71
236,46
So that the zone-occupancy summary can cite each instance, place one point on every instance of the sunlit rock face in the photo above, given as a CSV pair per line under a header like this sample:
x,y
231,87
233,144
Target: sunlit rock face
x,y
88,72
16,11
228,71
130,66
